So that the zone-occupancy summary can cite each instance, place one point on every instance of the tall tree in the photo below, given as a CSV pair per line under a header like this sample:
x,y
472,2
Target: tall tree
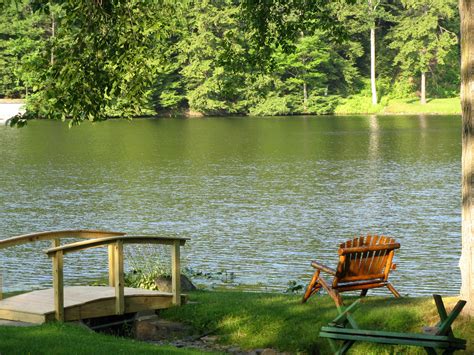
x,y
317,67
466,9
24,44
101,58
421,39
211,88
373,4
363,17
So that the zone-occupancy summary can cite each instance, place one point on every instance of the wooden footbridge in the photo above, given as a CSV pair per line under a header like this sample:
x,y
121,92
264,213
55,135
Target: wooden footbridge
x,y
82,302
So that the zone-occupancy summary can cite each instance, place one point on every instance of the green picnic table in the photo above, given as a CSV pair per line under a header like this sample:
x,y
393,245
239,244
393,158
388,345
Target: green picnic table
x,y
343,332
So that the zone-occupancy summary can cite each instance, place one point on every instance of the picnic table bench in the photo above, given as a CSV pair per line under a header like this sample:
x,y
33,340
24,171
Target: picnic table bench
x,y
344,328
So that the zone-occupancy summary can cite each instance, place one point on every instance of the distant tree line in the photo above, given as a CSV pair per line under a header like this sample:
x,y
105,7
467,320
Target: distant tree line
x,y
199,57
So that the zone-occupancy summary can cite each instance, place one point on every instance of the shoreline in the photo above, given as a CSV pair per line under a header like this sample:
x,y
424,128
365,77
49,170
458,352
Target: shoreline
x,y
396,107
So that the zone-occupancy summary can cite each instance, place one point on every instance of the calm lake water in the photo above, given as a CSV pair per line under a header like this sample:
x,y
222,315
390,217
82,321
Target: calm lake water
x,y
259,197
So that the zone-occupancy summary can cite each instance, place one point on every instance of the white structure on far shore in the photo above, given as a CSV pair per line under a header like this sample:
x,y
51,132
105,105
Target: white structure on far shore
x,y
9,110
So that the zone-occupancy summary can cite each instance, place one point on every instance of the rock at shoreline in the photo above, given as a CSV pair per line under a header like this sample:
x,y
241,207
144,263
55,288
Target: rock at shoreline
x,y
163,283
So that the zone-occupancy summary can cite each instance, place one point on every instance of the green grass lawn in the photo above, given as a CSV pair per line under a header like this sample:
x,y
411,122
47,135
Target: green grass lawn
x,y
450,106
56,338
363,105
257,320
250,321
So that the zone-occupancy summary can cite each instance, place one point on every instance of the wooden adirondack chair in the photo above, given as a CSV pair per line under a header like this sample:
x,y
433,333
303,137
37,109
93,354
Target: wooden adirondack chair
x,y
364,263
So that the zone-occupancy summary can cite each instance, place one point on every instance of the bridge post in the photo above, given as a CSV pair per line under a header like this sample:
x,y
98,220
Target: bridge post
x,y
119,278
58,285
111,265
176,273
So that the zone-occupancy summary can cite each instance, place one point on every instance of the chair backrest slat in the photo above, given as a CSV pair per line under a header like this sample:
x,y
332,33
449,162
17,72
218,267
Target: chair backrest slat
x,y
359,262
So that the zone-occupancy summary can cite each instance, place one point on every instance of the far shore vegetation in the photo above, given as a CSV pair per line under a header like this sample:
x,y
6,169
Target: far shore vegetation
x,y
206,59
350,106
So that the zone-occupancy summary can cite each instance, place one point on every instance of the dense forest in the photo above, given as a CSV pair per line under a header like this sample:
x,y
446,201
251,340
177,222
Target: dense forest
x,y
199,58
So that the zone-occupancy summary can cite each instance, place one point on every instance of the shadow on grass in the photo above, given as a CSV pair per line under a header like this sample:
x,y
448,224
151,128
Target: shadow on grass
x,y
58,338
253,321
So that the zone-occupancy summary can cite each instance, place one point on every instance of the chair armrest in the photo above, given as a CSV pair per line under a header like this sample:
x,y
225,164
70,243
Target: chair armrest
x,y
324,268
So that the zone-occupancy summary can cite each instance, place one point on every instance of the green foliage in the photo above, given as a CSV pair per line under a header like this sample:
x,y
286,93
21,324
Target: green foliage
x,y
24,47
147,263
357,104
91,60
140,278
271,106
421,36
396,89
323,105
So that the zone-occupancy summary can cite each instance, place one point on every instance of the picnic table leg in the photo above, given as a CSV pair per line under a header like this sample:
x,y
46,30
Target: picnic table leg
x,y
346,346
340,350
345,317
444,327
442,312
333,345
430,351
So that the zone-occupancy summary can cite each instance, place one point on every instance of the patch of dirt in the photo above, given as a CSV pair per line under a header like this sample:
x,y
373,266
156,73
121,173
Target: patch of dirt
x,y
158,331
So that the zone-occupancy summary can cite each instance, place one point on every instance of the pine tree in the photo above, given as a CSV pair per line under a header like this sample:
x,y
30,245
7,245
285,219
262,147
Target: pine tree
x,y
420,37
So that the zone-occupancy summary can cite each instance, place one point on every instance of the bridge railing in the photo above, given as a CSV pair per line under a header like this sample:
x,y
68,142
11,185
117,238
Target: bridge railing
x,y
96,238
55,237
116,266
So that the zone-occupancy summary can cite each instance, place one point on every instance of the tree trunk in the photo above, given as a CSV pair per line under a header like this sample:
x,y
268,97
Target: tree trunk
x,y
466,9
53,30
305,97
423,88
372,66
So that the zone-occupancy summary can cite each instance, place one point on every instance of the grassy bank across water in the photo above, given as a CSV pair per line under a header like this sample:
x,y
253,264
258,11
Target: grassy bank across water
x,y
358,105
249,321
363,105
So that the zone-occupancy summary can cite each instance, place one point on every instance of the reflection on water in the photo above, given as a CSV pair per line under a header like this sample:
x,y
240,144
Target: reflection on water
x,y
259,197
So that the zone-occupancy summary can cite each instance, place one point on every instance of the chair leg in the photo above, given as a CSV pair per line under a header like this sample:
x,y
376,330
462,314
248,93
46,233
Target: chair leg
x,y
363,293
313,287
392,289
332,292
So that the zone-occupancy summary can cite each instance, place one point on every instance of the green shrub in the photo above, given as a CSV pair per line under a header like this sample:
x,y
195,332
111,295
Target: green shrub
x,y
140,278
147,263
357,104
272,106
322,105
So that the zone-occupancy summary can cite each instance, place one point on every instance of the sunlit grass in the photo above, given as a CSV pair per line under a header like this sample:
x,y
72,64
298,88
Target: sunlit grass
x,y
255,320
363,105
438,106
